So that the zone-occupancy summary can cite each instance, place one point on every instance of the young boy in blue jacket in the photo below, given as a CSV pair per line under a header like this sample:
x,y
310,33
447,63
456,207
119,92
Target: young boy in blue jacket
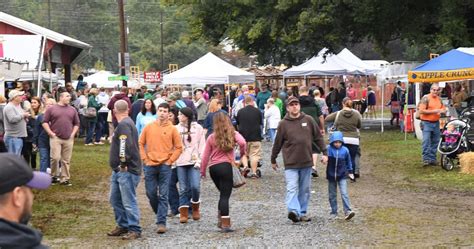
x,y
338,168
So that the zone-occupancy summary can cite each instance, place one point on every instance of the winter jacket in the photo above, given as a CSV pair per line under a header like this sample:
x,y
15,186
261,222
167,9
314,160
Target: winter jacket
x,y
115,98
40,137
272,116
339,160
349,122
14,235
192,151
92,102
309,107
296,138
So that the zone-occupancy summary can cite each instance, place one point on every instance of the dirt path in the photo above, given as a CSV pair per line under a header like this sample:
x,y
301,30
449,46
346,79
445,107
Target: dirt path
x,y
385,216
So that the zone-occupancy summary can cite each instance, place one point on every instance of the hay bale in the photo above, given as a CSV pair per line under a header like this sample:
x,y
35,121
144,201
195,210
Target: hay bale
x,y
467,162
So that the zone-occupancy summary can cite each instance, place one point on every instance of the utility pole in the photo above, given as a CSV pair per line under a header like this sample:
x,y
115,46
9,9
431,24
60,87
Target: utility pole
x,y
123,40
161,37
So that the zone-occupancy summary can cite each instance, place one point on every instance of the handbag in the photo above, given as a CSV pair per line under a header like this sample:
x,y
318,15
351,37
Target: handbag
x,y
90,112
237,177
333,128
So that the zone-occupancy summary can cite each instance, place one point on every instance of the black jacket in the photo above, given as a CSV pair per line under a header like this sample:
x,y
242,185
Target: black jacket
x,y
15,235
126,139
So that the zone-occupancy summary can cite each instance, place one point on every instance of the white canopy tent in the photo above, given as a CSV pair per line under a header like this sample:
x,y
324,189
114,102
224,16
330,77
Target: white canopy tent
x,y
209,69
352,59
391,73
324,65
101,79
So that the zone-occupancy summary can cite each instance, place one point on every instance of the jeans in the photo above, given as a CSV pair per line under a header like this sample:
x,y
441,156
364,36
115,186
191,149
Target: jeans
x,y
45,160
90,132
102,120
28,154
123,199
158,177
173,196
332,189
431,136
298,184
272,133
189,184
14,144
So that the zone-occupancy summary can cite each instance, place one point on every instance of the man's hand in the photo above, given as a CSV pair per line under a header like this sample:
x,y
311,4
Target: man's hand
x,y
442,111
351,176
324,159
323,132
52,135
275,166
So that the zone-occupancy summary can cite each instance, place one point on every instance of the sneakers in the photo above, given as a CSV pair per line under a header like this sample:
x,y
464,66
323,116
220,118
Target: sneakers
x,y
314,172
65,183
434,163
89,144
293,217
54,180
98,143
118,231
305,218
349,215
161,229
131,236
332,216
426,163
253,176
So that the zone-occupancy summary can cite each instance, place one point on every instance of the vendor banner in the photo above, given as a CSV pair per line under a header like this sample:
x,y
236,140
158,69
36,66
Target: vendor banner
x,y
437,76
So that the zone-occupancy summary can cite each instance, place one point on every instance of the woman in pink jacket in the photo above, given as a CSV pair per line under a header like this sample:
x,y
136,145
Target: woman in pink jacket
x,y
188,164
219,155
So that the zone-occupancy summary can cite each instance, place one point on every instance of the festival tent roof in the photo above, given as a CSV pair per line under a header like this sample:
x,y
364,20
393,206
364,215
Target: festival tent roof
x,y
396,71
329,64
456,64
352,59
101,79
209,69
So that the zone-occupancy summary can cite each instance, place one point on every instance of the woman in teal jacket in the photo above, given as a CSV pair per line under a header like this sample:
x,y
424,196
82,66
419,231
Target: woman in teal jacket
x,y
93,126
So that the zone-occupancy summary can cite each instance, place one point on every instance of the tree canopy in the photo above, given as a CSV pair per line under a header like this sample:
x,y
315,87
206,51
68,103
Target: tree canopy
x,y
289,31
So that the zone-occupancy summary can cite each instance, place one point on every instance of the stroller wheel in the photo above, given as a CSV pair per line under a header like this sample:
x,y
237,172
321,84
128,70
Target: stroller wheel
x,y
447,163
259,173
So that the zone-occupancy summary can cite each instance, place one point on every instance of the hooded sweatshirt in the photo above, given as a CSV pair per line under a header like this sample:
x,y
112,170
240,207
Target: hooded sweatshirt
x,y
115,98
339,160
192,152
309,107
296,137
348,122
160,143
15,235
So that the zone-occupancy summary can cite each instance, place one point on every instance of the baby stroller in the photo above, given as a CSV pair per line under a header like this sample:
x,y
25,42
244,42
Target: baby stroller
x,y
450,150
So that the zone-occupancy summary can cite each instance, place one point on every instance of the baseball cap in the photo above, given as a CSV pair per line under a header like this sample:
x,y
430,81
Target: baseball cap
x,y
292,99
15,172
13,93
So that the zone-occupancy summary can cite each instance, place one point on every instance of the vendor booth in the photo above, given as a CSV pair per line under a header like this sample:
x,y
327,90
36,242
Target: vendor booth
x,y
454,65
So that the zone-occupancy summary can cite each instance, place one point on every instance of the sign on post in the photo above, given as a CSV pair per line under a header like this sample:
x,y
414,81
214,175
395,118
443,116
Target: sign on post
x,y
152,77
118,77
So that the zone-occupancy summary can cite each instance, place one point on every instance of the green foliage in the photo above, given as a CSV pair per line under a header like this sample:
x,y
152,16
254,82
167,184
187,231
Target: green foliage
x,y
288,31
97,22
99,65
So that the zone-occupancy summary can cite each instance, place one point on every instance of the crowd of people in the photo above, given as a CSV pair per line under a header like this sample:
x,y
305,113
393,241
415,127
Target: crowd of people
x,y
173,137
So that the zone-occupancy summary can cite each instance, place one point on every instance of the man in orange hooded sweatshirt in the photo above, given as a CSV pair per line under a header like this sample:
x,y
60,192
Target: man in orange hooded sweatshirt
x,y
160,146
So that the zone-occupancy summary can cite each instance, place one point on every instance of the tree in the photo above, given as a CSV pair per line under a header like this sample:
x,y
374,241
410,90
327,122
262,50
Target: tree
x,y
288,31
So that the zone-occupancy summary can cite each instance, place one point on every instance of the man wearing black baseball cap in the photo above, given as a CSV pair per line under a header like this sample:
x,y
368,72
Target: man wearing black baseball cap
x,y
17,180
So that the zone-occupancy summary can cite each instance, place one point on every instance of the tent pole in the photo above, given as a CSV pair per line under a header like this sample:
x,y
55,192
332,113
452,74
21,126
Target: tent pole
x,y
40,65
383,101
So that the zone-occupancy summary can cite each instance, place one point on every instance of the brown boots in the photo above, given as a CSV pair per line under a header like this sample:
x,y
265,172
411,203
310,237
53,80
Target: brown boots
x,y
225,224
196,214
183,214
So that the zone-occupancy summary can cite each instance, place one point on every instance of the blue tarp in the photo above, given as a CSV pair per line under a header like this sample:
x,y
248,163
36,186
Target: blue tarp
x,y
452,60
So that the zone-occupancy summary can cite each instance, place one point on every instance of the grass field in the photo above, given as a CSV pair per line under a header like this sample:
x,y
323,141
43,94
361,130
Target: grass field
x,y
399,162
